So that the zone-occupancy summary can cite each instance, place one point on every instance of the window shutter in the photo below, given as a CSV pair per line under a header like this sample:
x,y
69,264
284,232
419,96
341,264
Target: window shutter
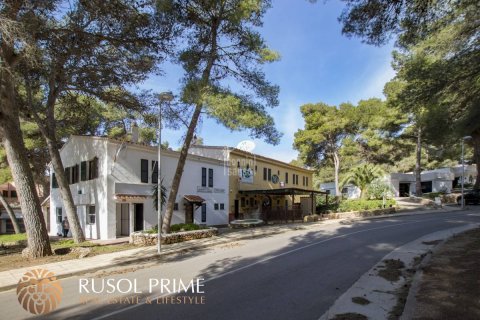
x,y
155,171
204,212
264,173
144,170
210,178
204,177
54,181
269,174
83,170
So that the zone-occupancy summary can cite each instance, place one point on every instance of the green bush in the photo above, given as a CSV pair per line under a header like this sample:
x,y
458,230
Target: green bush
x,y
185,227
359,205
178,227
322,206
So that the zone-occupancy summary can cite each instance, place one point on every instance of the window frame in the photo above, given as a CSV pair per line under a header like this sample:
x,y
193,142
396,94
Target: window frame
x,y
89,215
144,163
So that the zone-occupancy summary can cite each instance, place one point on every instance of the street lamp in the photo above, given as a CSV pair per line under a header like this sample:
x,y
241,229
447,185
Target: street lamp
x,y
165,97
463,168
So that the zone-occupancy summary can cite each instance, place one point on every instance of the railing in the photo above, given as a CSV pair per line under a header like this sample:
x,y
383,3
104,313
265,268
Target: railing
x,y
285,215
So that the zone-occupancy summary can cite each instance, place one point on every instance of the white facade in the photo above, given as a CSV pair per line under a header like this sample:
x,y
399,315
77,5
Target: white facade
x,y
119,201
348,191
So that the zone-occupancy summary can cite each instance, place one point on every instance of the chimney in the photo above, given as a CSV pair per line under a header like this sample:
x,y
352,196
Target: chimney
x,y
134,132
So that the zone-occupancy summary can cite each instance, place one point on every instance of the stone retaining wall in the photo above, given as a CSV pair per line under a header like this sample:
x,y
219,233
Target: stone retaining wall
x,y
358,214
140,238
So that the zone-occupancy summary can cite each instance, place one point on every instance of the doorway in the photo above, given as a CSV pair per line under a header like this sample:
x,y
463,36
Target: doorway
x,y
124,220
236,212
138,223
404,189
189,212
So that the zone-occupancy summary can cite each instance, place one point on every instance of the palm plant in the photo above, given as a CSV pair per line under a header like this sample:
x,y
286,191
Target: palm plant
x,y
155,195
362,176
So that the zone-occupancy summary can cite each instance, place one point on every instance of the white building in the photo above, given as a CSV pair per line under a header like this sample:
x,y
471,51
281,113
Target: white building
x,y
438,180
348,191
403,184
112,185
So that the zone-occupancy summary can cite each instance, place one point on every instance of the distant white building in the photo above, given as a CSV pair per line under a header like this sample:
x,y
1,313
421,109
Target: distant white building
x,y
438,180
112,185
403,184
348,191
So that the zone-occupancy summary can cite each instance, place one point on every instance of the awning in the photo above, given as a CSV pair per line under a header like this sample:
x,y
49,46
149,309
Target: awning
x,y
193,198
283,191
130,197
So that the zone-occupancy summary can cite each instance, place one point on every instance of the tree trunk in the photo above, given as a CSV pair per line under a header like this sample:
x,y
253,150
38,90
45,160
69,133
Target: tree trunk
x,y
38,241
476,155
65,192
418,165
179,171
191,129
11,214
336,163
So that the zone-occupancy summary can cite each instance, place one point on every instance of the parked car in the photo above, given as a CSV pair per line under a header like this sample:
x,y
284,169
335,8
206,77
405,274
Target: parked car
x,y
470,196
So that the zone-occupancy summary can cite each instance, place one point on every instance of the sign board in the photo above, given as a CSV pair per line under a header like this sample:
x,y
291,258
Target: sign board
x,y
246,175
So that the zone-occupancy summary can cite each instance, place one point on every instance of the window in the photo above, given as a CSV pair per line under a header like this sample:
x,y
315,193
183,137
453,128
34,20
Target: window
x,y
269,174
303,180
238,164
93,169
256,168
54,181
242,202
210,178
75,173
68,175
83,170
286,177
278,173
204,212
306,181
5,193
251,202
91,215
204,177
154,171
222,206
175,206
215,206
264,173
58,212
13,194
144,170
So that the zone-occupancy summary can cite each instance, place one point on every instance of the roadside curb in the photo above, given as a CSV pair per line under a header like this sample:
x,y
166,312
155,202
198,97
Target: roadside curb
x,y
211,242
380,293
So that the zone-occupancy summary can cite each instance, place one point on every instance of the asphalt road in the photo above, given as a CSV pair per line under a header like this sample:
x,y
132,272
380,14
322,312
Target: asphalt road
x,y
293,275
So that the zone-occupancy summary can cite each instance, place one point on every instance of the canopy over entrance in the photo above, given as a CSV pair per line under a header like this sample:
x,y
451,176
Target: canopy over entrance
x,y
193,198
283,191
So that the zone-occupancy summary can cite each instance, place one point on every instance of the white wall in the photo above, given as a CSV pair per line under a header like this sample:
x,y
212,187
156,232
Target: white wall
x,y
76,150
120,172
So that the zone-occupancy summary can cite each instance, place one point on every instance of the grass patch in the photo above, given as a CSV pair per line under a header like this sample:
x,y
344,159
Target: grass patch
x,y
391,271
12,237
350,316
360,300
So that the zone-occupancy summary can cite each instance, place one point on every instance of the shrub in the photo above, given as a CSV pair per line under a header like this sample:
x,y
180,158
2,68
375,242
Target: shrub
x,y
378,188
178,228
321,203
359,205
185,227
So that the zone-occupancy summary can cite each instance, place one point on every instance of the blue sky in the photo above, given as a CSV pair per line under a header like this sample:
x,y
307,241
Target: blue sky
x,y
318,64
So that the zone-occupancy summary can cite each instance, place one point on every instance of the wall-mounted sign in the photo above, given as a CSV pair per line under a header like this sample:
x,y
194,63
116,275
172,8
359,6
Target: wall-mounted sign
x,y
275,178
246,175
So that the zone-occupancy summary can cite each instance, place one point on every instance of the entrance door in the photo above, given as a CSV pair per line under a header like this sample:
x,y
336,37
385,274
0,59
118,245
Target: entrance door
x,y
189,212
236,212
124,220
404,189
138,225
